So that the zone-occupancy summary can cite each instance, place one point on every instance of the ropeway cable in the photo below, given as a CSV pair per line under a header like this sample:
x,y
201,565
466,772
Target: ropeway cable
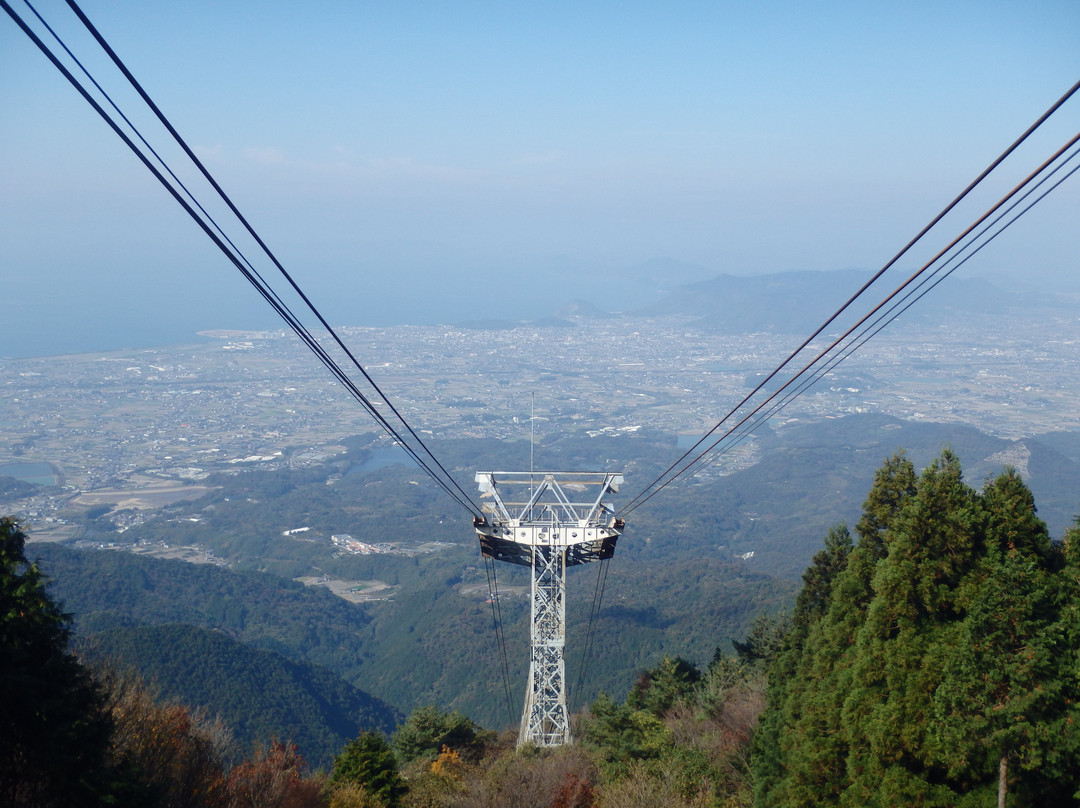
x,y
910,297
500,636
251,230
265,289
884,320
241,262
594,615
213,230
267,292
742,423
926,229
291,317
660,479
262,286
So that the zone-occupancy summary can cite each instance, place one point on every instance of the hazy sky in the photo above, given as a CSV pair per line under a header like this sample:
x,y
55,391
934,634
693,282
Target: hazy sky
x,y
452,160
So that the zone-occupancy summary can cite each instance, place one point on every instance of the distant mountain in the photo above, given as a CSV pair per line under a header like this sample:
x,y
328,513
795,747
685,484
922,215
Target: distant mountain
x,y
799,302
563,317
1067,443
582,308
260,694
506,325
659,275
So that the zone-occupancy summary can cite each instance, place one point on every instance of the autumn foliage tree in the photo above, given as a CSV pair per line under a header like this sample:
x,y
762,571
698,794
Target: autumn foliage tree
x,y
75,736
276,777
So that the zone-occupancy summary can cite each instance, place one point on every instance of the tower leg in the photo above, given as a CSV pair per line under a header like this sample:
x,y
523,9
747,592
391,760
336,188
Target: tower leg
x,y
546,721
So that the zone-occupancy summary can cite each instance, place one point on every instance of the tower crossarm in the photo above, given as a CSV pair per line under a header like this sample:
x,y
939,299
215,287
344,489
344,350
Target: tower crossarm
x,y
517,497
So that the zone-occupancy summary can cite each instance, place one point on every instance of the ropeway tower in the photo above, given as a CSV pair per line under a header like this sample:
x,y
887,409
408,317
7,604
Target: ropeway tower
x,y
547,521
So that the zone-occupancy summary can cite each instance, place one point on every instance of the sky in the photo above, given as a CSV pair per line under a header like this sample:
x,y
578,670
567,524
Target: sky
x,y
444,161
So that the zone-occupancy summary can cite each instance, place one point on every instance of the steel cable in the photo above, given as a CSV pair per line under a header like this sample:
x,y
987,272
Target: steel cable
x,y
926,229
1043,168
446,482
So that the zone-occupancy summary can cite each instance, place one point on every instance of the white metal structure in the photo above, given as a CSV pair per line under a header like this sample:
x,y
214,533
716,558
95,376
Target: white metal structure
x,y
547,521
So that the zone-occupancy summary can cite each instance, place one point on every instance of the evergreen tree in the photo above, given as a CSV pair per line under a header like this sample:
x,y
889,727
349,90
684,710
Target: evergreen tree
x,y
369,762
764,641
658,688
54,734
1063,755
894,484
901,648
813,598
785,689
941,666
800,755
1000,690
428,730
622,735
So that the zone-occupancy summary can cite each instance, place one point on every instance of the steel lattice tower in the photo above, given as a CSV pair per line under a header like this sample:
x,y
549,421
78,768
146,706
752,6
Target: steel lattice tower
x,y
531,521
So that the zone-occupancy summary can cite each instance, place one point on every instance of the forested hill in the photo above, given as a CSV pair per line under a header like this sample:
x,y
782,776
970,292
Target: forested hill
x,y
676,586
110,590
433,642
930,660
259,694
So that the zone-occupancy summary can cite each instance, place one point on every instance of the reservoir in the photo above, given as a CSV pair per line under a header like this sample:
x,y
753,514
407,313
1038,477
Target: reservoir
x,y
379,458
37,473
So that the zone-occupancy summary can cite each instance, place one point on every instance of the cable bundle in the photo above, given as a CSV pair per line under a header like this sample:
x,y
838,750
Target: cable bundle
x,y
753,410
330,350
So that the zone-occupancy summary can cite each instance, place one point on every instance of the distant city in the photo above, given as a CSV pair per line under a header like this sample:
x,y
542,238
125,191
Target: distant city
x,y
136,430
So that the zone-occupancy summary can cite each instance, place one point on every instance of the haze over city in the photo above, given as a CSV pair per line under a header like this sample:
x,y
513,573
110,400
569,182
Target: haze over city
x,y
446,162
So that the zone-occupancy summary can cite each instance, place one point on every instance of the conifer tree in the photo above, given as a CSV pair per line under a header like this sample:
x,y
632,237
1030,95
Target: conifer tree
x,y
54,734
786,680
368,761
1000,691
1063,755
806,764
901,648
658,688
622,734
428,731
943,668
894,484
765,640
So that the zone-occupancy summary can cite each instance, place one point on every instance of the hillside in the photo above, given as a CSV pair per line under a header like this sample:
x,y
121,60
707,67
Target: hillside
x,y
112,590
429,632
428,643
953,603
260,694
807,476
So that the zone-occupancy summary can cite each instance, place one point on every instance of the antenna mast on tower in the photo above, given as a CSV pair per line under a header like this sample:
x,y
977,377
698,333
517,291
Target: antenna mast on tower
x,y
541,527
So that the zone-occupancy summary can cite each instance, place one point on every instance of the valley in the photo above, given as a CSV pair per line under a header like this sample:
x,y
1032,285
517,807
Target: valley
x,y
236,453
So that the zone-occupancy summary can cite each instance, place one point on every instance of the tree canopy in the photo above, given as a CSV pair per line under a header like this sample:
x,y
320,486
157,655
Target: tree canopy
x,y
925,664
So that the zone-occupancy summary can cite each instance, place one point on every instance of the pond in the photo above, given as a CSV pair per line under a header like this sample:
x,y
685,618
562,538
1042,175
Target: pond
x,y
380,458
37,473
